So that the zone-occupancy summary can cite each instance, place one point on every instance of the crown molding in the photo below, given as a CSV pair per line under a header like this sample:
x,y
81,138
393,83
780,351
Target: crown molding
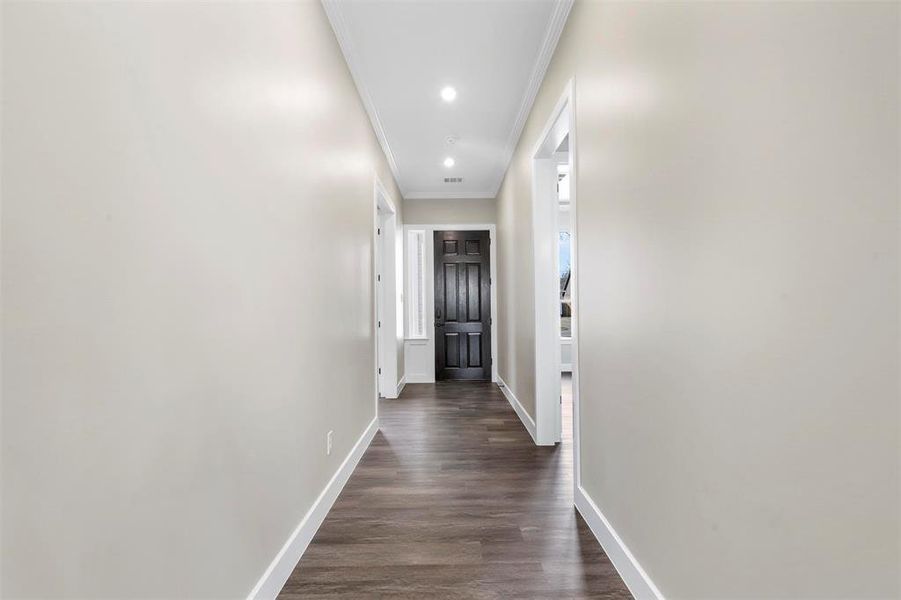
x,y
333,11
448,195
339,26
549,44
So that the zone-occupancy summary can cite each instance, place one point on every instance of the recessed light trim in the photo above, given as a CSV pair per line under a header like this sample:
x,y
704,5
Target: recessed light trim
x,y
448,94
449,162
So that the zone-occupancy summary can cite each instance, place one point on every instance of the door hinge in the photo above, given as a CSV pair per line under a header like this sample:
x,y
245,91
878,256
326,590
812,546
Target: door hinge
x,y
380,323
378,231
490,321
378,277
380,370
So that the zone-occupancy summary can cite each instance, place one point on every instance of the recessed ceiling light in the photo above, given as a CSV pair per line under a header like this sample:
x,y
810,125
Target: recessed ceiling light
x,y
448,94
449,162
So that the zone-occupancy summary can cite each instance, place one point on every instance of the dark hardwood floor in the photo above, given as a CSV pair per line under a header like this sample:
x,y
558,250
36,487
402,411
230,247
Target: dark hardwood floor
x,y
453,500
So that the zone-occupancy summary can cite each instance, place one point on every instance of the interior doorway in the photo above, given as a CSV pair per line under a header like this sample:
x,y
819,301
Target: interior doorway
x,y
387,308
462,305
555,230
380,358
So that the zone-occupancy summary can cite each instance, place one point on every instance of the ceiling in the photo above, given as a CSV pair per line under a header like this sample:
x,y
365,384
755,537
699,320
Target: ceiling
x,y
402,54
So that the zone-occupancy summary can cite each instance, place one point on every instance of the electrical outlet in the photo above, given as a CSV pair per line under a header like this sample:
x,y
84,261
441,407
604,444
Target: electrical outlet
x,y
328,443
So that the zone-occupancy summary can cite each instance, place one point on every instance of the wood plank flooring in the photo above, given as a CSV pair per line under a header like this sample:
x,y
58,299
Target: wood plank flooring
x,y
453,500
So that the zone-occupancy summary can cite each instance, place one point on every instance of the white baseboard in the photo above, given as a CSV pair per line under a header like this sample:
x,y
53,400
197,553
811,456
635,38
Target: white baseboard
x,y
419,378
400,385
635,577
527,421
272,581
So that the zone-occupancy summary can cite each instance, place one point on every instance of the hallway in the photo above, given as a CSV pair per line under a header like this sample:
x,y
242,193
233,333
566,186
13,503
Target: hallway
x,y
227,229
454,500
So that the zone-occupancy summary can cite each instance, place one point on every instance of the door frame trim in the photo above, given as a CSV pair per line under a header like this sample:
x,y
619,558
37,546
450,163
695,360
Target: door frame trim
x,y
429,341
545,227
388,240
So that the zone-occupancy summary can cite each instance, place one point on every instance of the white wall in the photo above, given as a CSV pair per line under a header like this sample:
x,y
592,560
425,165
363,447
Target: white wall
x,y
451,210
739,289
187,290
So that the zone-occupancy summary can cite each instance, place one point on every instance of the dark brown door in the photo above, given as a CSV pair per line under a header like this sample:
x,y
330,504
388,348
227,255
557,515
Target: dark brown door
x,y
462,305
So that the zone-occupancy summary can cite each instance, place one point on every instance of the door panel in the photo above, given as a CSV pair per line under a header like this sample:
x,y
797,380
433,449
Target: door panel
x,y
475,349
452,349
451,293
462,305
474,301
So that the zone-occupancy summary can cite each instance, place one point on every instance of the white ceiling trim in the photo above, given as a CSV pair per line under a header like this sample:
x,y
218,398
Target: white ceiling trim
x,y
551,37
336,18
447,195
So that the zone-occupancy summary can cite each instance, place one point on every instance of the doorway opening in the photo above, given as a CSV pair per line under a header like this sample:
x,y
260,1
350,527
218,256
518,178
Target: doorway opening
x,y
554,227
385,294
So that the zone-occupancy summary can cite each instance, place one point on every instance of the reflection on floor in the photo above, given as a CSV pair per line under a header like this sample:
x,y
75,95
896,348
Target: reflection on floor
x,y
453,500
